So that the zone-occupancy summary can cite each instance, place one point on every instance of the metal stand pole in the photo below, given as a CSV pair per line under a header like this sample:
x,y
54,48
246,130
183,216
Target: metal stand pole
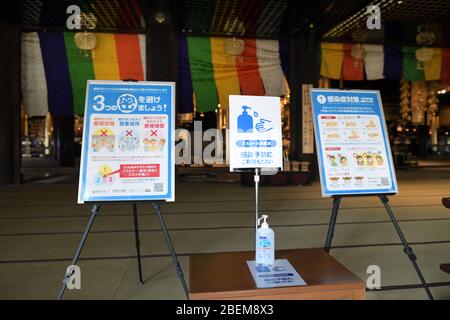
x,y
137,242
334,212
94,212
256,198
407,249
171,248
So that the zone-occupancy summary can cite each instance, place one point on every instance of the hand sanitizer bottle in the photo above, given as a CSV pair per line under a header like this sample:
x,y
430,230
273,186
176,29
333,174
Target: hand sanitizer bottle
x,y
245,121
265,243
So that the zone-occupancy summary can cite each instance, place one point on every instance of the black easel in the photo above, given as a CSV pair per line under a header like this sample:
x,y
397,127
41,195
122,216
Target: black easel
x,y
94,211
407,249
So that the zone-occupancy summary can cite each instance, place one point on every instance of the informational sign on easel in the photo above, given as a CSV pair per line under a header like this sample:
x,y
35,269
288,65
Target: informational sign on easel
x,y
255,133
354,154
352,143
128,155
127,152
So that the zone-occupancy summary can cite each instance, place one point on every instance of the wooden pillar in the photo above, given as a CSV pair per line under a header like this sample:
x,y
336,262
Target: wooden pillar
x,y
10,120
162,41
304,68
64,140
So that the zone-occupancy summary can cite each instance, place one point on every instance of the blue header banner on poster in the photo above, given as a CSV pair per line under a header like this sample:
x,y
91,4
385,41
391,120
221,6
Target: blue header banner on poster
x,y
353,148
127,151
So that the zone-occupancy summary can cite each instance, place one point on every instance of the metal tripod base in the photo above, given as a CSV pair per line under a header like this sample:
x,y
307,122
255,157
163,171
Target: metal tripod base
x,y
171,249
406,248
94,211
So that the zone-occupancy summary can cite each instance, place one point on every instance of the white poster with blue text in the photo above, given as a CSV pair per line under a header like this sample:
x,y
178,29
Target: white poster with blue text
x,y
255,132
352,143
128,136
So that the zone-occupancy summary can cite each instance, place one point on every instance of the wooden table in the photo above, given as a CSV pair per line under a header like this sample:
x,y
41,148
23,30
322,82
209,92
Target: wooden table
x,y
226,276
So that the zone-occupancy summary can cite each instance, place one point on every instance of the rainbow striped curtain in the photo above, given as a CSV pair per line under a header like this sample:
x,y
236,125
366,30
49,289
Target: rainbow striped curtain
x,y
215,74
390,61
55,71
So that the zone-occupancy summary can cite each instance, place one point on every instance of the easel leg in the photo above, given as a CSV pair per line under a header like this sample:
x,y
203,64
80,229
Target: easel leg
x,y
94,212
407,249
171,248
334,212
138,243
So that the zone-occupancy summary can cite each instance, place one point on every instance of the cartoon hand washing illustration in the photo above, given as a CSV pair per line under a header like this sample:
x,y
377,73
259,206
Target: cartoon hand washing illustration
x,y
245,122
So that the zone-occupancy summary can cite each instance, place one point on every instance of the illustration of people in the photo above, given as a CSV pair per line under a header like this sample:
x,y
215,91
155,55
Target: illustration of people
x,y
359,180
150,144
347,180
154,140
379,160
334,181
128,140
162,142
359,159
103,140
369,160
343,161
333,161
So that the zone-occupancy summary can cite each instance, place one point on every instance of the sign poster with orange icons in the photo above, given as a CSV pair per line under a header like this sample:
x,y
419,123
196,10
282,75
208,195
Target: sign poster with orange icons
x,y
127,151
352,143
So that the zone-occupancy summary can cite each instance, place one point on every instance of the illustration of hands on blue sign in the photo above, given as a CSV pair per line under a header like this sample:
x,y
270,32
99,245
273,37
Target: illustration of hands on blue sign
x,y
245,122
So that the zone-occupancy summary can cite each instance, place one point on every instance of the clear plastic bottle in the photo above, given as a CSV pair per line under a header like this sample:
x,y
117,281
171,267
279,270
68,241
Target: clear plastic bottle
x,y
265,243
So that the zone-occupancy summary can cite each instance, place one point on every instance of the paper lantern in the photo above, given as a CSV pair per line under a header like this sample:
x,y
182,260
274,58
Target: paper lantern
x,y
418,102
85,40
404,100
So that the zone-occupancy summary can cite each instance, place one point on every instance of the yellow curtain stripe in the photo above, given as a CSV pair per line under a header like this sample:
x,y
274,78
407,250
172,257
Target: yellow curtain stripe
x,y
432,68
332,59
225,72
104,58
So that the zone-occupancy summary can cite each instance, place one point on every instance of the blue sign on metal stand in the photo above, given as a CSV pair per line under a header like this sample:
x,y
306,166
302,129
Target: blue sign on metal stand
x,y
127,152
352,143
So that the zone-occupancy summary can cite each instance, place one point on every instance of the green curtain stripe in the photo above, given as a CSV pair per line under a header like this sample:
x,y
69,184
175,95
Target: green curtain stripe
x,y
202,74
410,71
81,69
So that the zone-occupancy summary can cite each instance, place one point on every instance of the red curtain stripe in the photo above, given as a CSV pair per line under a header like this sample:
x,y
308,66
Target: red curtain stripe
x,y
248,71
129,56
445,71
353,68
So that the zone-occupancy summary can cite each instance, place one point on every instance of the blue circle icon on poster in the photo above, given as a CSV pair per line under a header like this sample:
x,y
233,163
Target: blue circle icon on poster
x,y
127,103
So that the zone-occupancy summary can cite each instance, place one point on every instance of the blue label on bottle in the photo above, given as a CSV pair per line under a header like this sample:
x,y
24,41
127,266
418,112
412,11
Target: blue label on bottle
x,y
264,243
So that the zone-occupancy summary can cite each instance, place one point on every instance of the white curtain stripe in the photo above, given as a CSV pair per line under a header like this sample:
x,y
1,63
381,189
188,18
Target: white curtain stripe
x,y
374,61
269,63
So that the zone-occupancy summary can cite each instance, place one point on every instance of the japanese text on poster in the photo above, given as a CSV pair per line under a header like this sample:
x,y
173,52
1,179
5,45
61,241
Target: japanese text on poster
x,y
352,141
127,152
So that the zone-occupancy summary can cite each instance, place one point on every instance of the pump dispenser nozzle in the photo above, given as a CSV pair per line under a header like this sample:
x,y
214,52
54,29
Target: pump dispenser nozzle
x,y
264,224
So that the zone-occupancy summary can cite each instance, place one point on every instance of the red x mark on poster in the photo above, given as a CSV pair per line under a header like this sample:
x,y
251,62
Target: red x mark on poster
x,y
129,133
153,133
103,133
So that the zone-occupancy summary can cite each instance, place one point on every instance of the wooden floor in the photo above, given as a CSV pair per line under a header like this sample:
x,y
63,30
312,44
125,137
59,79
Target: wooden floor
x,y
40,226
